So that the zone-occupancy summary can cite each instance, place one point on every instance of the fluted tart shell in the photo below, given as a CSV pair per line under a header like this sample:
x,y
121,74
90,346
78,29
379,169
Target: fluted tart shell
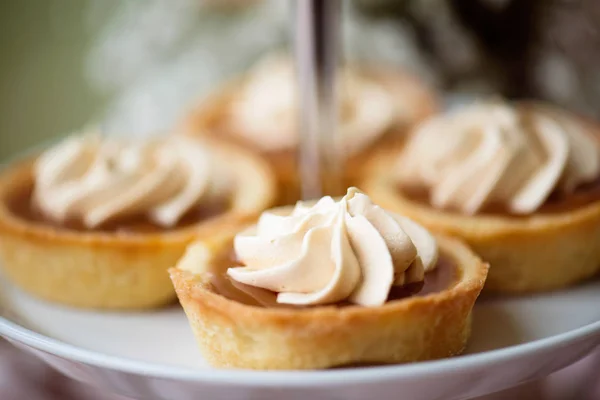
x,y
106,270
236,335
536,253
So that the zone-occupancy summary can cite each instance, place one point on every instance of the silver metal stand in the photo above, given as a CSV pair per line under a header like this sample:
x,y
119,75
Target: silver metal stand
x,y
317,27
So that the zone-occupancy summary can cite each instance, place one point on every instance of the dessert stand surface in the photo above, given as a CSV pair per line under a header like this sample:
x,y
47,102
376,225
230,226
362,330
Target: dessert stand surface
x,y
152,355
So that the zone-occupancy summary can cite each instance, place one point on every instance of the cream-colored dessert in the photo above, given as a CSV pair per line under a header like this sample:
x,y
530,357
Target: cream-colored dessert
x,y
265,110
331,283
376,107
96,181
348,250
493,153
517,181
96,222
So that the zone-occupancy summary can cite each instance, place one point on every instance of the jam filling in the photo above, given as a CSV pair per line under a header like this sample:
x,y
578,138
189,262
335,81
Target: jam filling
x,y
556,203
20,204
444,276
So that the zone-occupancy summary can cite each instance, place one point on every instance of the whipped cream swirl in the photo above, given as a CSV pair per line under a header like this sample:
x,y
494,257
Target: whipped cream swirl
x,y
265,110
494,153
96,181
347,250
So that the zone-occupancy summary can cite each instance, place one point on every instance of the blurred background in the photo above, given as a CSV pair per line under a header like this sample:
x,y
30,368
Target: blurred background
x,y
135,67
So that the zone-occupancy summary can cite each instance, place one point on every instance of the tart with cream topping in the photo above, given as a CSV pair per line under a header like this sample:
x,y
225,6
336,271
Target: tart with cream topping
x,y
326,284
520,183
259,111
96,222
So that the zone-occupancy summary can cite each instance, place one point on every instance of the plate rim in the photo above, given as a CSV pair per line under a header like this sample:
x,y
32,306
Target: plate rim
x,y
13,331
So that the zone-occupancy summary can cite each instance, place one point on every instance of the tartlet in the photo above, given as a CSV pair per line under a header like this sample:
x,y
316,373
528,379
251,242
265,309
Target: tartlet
x,y
105,268
409,100
542,243
239,334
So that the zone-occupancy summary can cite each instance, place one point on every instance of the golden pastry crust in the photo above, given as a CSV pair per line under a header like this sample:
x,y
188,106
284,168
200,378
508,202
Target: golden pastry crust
x,y
527,254
234,335
105,270
208,119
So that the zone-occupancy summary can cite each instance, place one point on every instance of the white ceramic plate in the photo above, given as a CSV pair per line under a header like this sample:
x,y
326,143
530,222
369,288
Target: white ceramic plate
x,y
153,356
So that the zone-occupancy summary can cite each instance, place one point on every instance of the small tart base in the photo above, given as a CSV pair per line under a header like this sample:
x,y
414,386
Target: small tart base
x,y
106,270
210,116
541,252
236,335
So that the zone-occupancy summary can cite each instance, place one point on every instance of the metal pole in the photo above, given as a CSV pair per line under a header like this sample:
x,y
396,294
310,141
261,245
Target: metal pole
x,y
317,27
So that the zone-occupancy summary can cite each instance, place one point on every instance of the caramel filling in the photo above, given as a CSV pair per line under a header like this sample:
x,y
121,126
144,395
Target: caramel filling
x,y
444,276
556,203
20,204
